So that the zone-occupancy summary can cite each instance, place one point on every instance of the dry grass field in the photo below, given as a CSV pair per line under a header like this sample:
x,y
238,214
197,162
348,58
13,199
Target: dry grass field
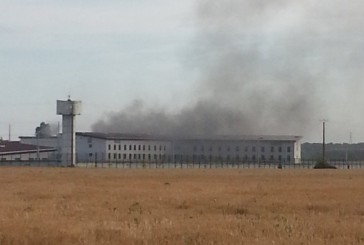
x,y
109,206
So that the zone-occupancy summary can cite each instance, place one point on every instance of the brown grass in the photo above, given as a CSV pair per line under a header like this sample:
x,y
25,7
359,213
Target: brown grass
x,y
93,206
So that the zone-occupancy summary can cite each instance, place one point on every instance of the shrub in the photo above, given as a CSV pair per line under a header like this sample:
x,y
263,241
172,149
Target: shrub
x,y
323,165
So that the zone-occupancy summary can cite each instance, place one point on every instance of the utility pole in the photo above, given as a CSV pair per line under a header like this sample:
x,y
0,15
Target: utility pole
x,y
9,132
323,141
347,148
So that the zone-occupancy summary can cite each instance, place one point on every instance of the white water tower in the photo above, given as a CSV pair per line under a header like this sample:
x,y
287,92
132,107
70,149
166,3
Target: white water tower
x,y
68,109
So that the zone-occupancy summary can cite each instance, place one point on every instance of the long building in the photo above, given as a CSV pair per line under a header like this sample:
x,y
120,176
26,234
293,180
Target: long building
x,y
98,147
17,151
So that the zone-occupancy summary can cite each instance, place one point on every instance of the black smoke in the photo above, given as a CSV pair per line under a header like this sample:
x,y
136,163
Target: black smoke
x,y
267,67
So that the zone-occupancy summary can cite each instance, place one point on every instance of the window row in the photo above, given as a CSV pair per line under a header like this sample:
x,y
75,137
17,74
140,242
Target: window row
x,y
237,148
237,157
137,147
124,156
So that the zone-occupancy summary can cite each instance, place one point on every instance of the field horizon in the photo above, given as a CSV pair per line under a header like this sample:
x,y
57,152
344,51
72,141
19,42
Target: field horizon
x,y
180,206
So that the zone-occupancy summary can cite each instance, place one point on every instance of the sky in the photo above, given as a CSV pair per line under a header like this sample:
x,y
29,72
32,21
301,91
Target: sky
x,y
174,56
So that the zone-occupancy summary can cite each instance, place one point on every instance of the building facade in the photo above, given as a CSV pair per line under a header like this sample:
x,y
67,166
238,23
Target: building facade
x,y
99,147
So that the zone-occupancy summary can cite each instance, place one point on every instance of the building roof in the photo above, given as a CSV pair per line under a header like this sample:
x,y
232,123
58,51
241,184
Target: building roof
x,y
120,136
35,137
15,147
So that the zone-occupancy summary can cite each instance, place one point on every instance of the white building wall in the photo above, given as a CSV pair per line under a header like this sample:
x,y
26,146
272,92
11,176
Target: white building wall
x,y
138,150
91,149
232,150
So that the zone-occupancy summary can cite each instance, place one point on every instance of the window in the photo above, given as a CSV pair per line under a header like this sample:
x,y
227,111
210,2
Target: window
x,y
160,147
148,147
271,157
124,156
135,156
149,157
125,147
262,149
237,157
280,158
272,149
143,147
253,157
237,148
119,156
109,147
280,149
114,147
143,156
115,155
155,147
135,147
130,156
262,157
109,156
89,145
90,154
139,147
155,156
165,148
288,149
253,148
130,147
288,158
119,147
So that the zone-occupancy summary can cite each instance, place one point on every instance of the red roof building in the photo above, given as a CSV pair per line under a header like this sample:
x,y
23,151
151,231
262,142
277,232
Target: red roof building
x,y
16,151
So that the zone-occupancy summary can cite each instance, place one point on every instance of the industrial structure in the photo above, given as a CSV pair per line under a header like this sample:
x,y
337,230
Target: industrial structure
x,y
116,148
68,109
70,147
99,147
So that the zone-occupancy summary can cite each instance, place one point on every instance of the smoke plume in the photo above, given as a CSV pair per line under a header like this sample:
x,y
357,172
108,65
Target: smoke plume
x,y
267,67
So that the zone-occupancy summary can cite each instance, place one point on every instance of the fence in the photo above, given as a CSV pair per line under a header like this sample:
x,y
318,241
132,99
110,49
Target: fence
x,y
165,164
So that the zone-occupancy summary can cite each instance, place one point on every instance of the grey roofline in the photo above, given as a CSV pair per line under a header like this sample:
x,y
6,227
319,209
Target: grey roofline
x,y
119,136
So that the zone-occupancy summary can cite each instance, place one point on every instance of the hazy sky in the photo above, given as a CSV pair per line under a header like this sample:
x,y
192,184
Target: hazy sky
x,y
110,53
